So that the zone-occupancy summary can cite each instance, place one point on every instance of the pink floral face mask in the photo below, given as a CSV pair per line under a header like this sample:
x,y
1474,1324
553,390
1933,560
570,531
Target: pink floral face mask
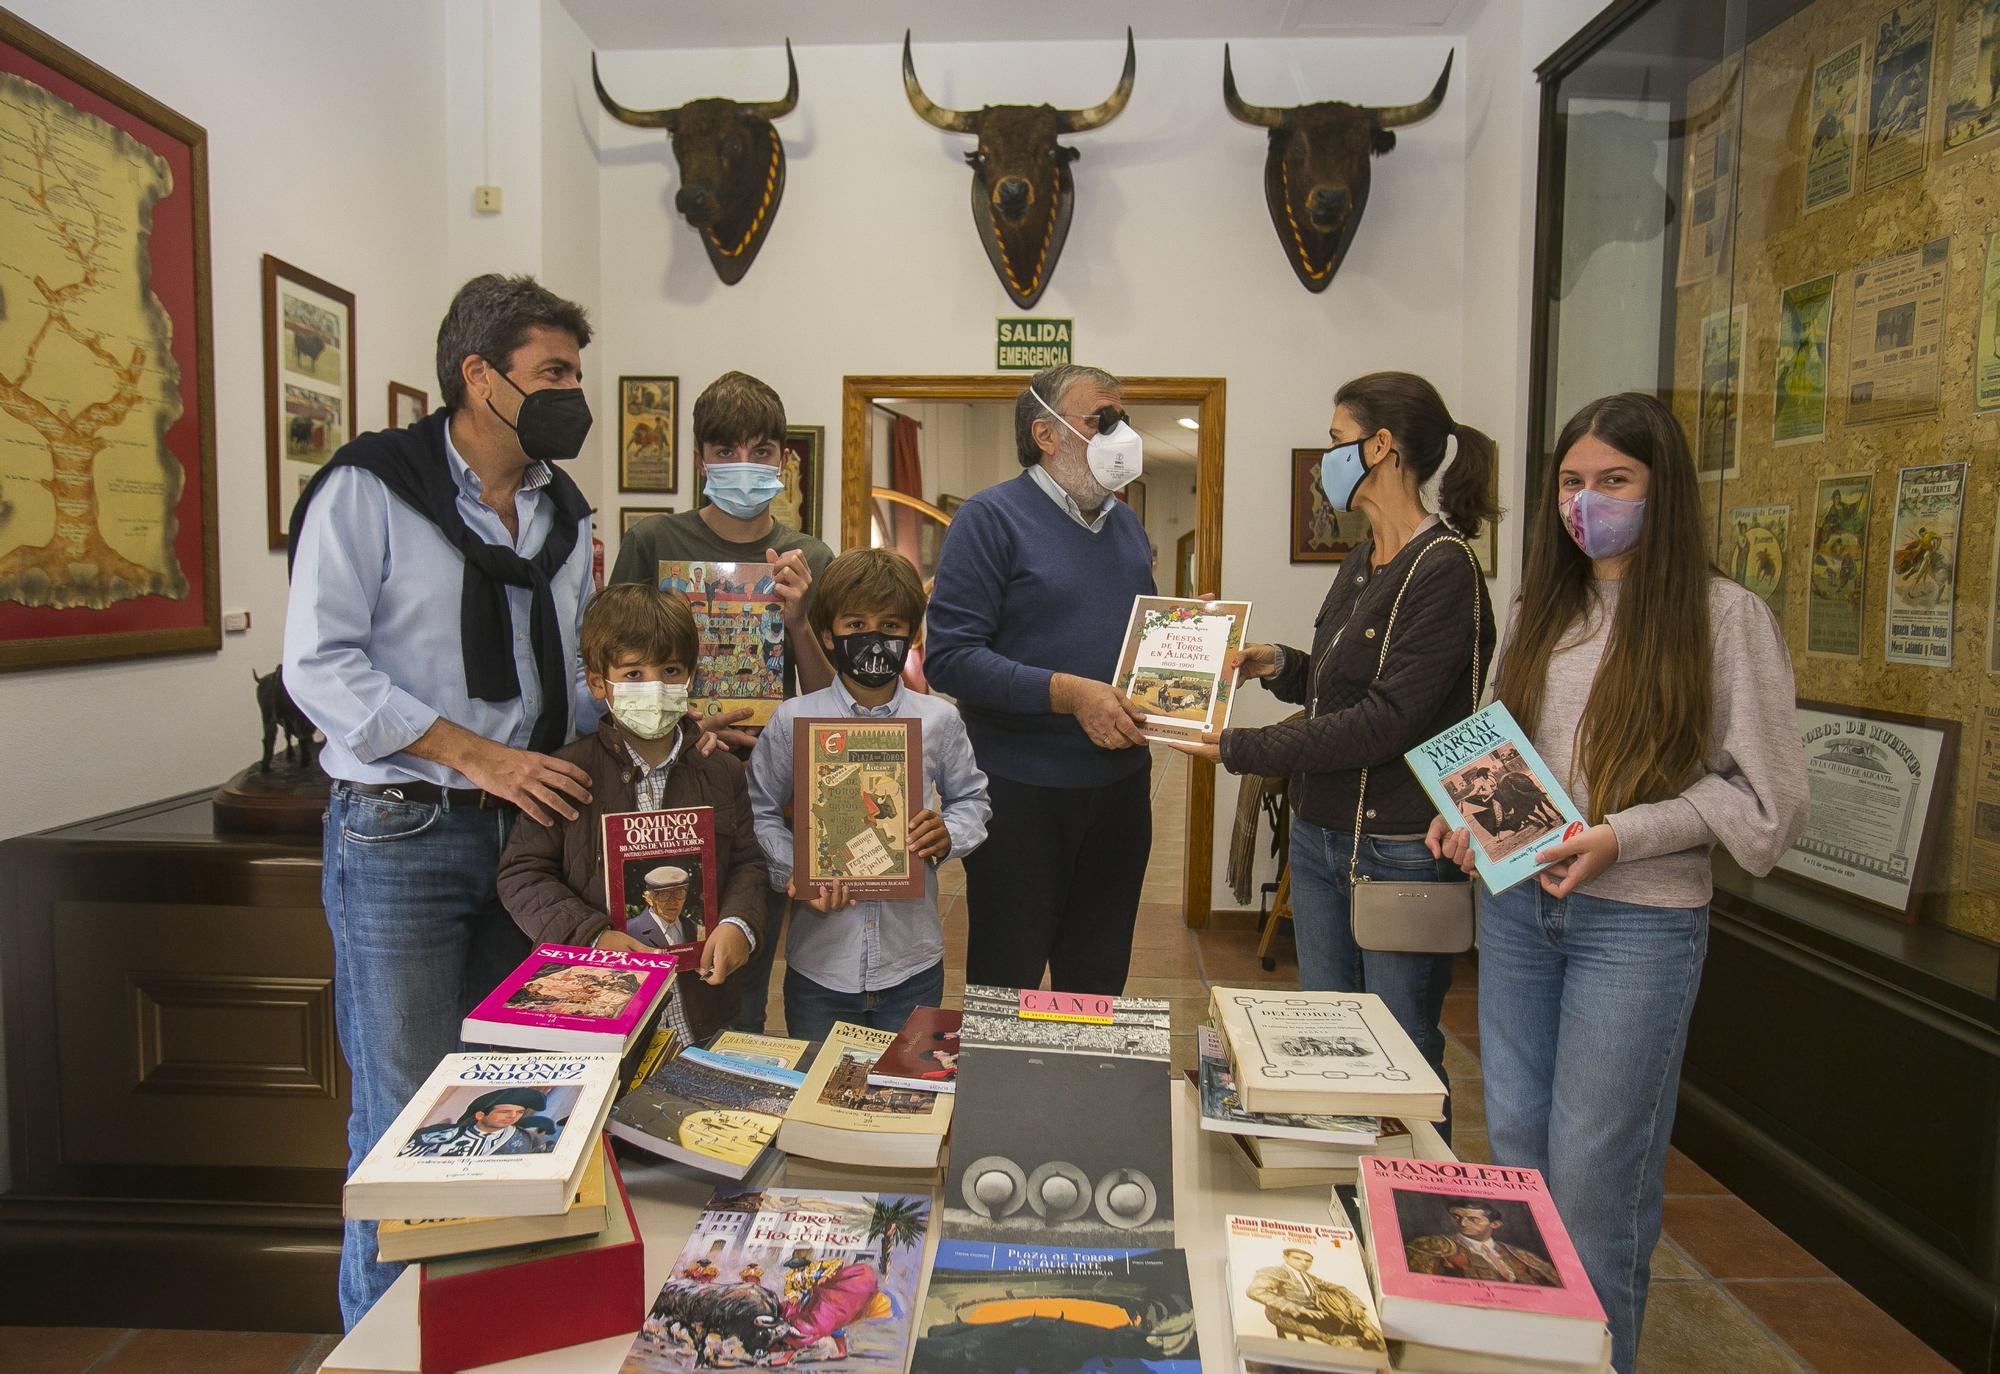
x,y
1603,526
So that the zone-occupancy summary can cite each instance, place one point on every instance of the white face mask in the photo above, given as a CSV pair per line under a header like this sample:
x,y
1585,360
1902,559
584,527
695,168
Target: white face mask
x,y
1115,456
649,710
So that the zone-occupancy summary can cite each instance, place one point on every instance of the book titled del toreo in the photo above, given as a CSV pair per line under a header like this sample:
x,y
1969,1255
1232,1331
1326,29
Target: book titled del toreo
x,y
1174,663
856,783
659,877
1484,774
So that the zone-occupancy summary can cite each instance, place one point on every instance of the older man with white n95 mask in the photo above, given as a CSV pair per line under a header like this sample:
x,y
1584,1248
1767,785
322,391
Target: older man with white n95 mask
x,y
1034,588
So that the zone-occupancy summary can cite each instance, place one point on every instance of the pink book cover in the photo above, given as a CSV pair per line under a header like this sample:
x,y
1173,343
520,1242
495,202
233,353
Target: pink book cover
x,y
660,883
565,987
1480,1235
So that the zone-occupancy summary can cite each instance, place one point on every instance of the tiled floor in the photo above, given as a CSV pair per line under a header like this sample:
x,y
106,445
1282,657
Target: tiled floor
x,y
1731,1293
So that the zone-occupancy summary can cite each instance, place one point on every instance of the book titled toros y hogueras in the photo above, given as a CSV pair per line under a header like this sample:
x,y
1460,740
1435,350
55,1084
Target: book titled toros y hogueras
x,y
567,997
855,785
740,624
820,1280
659,877
1485,775
1174,663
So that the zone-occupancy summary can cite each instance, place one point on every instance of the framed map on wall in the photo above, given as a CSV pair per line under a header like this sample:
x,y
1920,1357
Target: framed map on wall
x,y
107,394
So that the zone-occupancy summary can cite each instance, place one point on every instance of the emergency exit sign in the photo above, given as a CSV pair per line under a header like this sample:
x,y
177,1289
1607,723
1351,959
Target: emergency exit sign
x,y
1032,344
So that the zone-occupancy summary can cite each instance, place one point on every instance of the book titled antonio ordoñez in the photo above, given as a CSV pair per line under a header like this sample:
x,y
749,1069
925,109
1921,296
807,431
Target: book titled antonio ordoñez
x,y
1485,775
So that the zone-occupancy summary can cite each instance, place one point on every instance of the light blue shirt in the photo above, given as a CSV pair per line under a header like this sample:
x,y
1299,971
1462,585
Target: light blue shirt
x,y
1067,503
372,641
871,945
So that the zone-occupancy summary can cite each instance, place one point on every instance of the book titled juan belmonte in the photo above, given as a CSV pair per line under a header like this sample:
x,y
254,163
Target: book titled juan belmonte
x,y
1174,663
566,997
659,876
1485,775
856,783
1298,1294
1323,1053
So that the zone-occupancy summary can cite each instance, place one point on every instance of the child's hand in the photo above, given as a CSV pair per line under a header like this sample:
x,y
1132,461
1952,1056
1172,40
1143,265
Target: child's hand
x,y
928,837
719,732
611,937
725,952
828,896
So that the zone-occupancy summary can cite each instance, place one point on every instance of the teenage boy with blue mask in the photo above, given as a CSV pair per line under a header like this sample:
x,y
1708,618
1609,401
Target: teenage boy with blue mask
x,y
739,432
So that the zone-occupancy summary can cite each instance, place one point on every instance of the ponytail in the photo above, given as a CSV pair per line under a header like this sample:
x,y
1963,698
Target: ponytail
x,y
1462,496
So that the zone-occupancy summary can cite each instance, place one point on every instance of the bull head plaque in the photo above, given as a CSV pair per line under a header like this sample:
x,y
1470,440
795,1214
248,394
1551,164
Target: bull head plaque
x,y
1022,195
732,166
1316,172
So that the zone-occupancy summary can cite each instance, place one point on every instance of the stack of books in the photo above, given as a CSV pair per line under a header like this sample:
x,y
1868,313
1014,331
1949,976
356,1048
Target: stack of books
x,y
1299,1297
716,1109
1322,1054
837,1116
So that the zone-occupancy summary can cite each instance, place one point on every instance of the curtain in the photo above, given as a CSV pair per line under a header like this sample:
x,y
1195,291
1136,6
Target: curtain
x,y
906,474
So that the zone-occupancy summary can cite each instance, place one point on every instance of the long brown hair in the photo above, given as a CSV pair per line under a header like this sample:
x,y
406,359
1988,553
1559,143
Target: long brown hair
x,y
1646,726
1414,414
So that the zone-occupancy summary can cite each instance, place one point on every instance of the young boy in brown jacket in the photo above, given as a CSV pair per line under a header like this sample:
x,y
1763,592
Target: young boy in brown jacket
x,y
639,647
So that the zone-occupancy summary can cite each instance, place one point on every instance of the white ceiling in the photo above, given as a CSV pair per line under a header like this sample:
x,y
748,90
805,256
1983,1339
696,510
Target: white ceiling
x,y
615,24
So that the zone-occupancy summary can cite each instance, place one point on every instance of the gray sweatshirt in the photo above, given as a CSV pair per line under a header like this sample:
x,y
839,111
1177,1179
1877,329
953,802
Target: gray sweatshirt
x,y
1750,793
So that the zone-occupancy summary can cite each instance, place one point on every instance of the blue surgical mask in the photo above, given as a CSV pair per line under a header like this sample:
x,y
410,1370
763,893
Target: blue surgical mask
x,y
743,490
1341,473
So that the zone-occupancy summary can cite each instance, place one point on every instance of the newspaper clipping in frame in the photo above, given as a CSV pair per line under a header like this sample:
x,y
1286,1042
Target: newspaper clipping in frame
x,y
1982,841
1894,361
1923,564
1833,129
1986,354
1709,190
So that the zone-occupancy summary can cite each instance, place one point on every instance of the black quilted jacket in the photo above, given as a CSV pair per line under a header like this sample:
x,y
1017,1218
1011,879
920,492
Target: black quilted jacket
x,y
1356,719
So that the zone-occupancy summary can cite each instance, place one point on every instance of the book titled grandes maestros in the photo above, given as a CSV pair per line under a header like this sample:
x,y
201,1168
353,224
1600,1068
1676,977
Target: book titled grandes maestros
x,y
566,997
708,1110
1174,663
1484,774
1337,1053
660,878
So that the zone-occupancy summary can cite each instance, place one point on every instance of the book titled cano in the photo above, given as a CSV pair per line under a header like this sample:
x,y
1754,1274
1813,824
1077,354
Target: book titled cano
x,y
567,997
1013,1307
1485,775
740,625
1174,663
823,1280
856,784
660,879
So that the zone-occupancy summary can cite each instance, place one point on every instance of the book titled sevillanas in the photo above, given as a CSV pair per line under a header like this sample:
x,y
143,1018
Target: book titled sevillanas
x,y
1484,774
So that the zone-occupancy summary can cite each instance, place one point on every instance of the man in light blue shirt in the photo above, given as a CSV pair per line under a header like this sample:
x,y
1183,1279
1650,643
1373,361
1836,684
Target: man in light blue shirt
x,y
439,575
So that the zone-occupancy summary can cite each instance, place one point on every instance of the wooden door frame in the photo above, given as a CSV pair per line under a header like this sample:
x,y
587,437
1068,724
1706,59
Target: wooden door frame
x,y
1207,395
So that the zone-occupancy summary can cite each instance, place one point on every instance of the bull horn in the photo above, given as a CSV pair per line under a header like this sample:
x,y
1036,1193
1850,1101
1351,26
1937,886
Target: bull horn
x,y
1395,116
638,119
1263,116
1097,116
778,109
937,116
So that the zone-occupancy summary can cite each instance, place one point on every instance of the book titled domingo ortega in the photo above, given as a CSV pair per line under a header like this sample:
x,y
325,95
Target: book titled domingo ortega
x,y
1474,1257
740,624
659,877
566,997
856,783
1485,775
1174,663
488,1135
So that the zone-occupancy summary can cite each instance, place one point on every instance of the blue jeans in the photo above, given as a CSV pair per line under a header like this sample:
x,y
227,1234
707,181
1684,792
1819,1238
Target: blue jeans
x,y
1412,986
419,937
754,977
811,1009
1583,1017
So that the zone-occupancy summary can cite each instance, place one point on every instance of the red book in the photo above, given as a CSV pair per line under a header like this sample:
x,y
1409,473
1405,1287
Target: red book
x,y
509,1303
660,883
923,1056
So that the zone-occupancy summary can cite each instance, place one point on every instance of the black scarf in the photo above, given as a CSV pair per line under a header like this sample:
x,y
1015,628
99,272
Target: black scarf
x,y
412,464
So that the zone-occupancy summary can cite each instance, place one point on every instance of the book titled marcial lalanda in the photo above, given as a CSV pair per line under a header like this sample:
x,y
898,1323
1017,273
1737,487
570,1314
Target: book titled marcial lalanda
x,y
567,997
1484,774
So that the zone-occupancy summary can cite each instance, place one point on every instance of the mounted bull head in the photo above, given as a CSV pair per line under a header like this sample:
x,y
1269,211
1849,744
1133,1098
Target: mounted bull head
x,y
732,167
1022,195
1316,173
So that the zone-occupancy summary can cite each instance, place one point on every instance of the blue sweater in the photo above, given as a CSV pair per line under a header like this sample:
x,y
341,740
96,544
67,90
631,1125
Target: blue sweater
x,y
1023,592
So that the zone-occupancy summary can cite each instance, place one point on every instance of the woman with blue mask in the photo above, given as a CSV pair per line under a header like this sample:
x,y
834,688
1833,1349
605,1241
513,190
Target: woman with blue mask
x,y
1661,693
1398,652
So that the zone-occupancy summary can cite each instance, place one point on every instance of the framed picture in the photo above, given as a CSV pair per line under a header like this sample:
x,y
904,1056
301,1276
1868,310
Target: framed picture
x,y
798,504
648,434
1320,534
308,382
407,405
949,504
1184,565
118,245
1878,782
628,516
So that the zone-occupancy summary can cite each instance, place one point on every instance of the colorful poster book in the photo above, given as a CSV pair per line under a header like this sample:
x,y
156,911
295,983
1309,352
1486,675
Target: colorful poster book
x,y
839,1117
710,1111
488,1135
923,1056
567,997
1222,1110
818,1279
856,784
1174,663
1338,1053
660,883
1006,1307
741,626
1484,774
1298,1292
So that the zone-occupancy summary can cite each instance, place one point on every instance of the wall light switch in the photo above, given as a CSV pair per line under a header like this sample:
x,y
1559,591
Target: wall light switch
x,y
486,199
235,622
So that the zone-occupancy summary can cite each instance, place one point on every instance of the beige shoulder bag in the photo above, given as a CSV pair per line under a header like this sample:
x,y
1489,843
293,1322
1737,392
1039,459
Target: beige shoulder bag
x,y
1415,918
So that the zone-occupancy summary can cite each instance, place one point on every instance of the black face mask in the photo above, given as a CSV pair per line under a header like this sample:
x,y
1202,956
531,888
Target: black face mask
x,y
552,423
871,658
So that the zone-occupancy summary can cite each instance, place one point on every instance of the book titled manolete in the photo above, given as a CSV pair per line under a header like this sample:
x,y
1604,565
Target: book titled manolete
x,y
1484,774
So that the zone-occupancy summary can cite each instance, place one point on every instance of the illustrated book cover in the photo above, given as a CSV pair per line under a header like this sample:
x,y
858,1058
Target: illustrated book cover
x,y
707,1110
1174,663
1299,1293
1338,1053
488,1135
1222,1110
1485,775
840,1117
817,1279
772,1051
660,883
1009,1307
740,623
924,1054
436,1237
856,783
568,997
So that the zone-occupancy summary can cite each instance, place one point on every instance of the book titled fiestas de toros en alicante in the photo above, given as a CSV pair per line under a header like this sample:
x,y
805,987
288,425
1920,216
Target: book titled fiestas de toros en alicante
x,y
660,879
1484,774
1174,663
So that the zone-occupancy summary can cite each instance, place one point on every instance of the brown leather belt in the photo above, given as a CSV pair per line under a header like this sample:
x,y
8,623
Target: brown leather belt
x,y
431,792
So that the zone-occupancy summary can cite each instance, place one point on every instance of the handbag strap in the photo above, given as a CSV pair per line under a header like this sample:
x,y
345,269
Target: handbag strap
x,y
1361,794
